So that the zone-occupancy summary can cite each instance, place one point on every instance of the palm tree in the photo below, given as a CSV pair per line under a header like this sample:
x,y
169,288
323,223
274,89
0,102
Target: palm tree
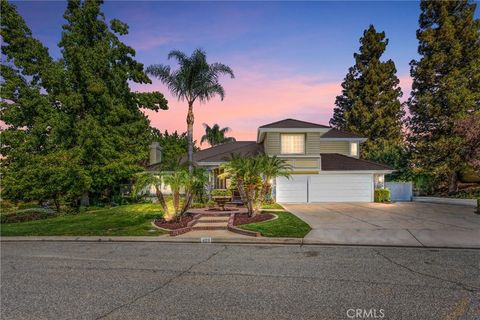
x,y
216,135
194,80
146,179
272,167
246,173
252,175
177,181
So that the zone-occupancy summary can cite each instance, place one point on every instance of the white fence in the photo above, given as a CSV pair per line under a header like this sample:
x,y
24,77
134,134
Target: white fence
x,y
400,191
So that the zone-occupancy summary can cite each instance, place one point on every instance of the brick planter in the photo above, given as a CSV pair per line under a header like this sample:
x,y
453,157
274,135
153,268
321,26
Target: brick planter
x,y
199,213
232,228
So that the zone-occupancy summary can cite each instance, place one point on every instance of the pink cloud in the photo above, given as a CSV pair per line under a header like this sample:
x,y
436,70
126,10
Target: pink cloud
x,y
141,43
252,99
406,85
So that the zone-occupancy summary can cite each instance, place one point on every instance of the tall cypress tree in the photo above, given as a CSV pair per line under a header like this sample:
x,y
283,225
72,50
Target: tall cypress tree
x,y
369,104
77,114
446,86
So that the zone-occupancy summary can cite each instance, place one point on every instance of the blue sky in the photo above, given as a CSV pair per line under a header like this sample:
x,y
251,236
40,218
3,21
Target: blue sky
x,y
289,57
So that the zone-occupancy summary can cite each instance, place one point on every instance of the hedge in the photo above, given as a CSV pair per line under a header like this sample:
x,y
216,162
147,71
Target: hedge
x,y
382,195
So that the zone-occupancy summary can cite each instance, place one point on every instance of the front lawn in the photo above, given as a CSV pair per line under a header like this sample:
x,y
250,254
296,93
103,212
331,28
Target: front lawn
x,y
127,220
287,225
272,206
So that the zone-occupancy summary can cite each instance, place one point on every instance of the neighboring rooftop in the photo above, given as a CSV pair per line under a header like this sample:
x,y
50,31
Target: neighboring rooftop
x,y
335,133
293,123
224,151
338,162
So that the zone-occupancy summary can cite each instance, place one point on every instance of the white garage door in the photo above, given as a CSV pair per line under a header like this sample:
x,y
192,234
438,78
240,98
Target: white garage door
x,y
292,190
325,188
340,188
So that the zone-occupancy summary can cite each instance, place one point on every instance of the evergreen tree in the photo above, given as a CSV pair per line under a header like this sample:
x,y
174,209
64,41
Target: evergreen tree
x,y
174,148
369,105
78,111
446,87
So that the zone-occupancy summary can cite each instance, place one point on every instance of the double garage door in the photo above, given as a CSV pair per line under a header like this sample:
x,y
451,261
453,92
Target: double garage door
x,y
325,188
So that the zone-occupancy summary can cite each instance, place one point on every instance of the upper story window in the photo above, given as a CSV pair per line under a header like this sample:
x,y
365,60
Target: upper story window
x,y
293,143
354,149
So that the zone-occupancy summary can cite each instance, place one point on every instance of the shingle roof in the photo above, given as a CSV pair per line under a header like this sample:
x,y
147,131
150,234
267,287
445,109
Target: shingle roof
x,y
334,133
224,151
293,123
339,162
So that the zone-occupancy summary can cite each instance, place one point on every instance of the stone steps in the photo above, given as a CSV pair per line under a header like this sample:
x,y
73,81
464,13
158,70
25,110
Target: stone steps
x,y
210,225
209,220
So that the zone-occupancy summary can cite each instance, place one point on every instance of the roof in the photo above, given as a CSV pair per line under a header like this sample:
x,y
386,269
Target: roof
x,y
293,123
339,162
335,133
223,152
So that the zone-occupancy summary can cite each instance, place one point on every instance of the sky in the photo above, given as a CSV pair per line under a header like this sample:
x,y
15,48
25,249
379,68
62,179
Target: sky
x,y
289,58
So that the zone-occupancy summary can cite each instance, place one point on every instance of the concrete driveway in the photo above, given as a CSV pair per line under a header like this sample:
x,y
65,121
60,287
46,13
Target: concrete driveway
x,y
398,224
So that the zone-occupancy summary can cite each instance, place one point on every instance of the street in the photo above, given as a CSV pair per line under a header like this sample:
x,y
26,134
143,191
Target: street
x,y
135,280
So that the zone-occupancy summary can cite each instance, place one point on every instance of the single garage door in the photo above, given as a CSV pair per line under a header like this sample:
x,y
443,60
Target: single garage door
x,y
325,188
292,190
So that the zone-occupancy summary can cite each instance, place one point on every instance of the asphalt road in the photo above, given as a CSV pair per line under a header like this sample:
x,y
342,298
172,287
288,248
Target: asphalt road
x,y
72,280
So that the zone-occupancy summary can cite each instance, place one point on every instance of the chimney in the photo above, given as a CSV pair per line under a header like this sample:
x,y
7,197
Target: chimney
x,y
155,153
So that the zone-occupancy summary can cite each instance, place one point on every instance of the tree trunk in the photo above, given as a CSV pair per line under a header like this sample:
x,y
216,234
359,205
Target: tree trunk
x,y
190,120
162,201
453,183
85,199
188,202
251,200
176,201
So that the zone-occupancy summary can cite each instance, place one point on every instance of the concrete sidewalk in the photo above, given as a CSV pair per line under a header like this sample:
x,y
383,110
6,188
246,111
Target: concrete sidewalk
x,y
397,224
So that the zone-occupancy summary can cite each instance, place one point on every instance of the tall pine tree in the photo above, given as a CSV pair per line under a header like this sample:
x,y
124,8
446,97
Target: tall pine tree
x,y
369,104
446,87
73,126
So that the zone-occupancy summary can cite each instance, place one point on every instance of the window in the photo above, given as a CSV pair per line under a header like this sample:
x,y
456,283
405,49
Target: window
x,y
353,149
293,143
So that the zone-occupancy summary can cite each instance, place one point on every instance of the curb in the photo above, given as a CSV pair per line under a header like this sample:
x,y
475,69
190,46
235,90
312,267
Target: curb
x,y
251,241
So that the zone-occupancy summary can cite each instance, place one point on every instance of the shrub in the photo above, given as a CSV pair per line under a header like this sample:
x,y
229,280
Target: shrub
x,y
478,205
198,205
28,205
122,199
27,215
382,195
6,205
211,204
221,193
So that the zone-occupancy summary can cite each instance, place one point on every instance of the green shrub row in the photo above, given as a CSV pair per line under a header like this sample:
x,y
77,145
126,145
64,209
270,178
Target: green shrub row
x,y
26,215
382,195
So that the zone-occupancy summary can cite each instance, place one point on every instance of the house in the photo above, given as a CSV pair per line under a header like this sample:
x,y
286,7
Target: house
x,y
325,162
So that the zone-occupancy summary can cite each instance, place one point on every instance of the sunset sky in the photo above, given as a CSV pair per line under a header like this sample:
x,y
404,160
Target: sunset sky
x,y
289,58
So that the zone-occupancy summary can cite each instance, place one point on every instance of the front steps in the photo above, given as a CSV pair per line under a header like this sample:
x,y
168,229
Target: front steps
x,y
211,223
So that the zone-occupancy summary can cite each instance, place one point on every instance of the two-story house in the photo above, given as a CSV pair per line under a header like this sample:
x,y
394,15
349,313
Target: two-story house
x,y
325,162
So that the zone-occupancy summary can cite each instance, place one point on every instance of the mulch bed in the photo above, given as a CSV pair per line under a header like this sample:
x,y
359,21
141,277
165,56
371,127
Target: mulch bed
x,y
177,223
243,218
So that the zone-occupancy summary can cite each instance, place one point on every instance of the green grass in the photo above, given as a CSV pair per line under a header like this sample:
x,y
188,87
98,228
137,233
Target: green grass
x,y
127,220
272,206
287,225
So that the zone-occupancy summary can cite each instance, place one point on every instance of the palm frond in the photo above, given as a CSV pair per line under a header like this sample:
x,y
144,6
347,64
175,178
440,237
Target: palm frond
x,y
220,69
179,55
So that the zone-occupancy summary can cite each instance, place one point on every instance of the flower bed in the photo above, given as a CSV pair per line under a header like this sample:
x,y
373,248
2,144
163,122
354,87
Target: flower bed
x,y
243,218
177,223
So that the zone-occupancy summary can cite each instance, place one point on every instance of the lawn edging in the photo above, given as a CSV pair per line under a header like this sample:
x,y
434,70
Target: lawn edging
x,y
232,228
